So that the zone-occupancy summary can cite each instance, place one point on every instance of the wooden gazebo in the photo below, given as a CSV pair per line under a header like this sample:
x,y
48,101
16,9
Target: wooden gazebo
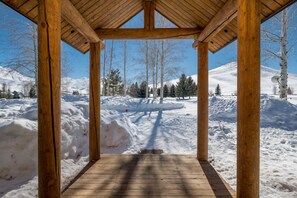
x,y
212,24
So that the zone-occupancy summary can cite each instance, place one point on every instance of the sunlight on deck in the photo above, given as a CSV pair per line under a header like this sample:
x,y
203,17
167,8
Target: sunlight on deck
x,y
149,175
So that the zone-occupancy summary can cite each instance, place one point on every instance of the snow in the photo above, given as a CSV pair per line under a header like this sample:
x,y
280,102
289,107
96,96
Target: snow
x,y
129,125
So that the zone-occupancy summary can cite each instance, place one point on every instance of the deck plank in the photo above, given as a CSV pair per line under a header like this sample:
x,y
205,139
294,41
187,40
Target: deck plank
x,y
149,175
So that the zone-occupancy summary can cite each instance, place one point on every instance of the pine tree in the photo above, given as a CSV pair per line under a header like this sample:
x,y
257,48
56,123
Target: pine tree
x,y
142,90
115,81
218,90
165,91
159,92
172,91
32,92
190,87
9,96
133,90
181,89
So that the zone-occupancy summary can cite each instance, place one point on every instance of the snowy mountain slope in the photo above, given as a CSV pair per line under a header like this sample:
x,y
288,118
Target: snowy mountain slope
x,y
14,80
226,76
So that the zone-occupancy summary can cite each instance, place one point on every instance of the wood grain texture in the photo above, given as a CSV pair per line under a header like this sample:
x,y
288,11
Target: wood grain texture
x,y
183,13
149,14
248,99
202,145
141,33
49,36
94,91
149,175
226,14
73,17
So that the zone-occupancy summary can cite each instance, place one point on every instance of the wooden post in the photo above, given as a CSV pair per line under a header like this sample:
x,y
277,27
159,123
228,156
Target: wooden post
x,y
149,15
202,152
94,125
248,107
49,39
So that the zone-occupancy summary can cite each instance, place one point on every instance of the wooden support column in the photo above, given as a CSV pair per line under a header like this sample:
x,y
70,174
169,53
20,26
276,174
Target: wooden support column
x,y
248,107
49,39
149,15
94,91
202,153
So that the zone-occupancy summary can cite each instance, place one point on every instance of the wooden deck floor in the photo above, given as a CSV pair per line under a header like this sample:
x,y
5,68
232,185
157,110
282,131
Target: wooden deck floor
x,y
148,175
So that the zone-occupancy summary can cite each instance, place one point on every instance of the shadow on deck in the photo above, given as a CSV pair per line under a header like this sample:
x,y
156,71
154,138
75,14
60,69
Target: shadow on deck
x,y
148,175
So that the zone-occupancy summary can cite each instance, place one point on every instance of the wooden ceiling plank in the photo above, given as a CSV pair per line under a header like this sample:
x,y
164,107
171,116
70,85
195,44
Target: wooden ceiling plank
x,y
26,7
123,15
226,14
176,12
272,5
202,8
94,11
183,10
199,17
164,12
73,17
141,33
107,10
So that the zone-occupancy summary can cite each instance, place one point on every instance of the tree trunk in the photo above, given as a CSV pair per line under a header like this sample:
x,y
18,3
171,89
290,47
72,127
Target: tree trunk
x,y
147,69
283,85
110,66
162,70
104,65
125,61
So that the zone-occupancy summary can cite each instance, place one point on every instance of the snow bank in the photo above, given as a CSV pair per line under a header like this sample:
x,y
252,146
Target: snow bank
x,y
18,138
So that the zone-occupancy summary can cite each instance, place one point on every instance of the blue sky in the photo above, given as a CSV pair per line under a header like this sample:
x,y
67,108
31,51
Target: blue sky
x,y
80,62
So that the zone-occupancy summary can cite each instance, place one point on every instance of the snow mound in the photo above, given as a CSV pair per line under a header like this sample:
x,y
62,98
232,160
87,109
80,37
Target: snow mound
x,y
117,131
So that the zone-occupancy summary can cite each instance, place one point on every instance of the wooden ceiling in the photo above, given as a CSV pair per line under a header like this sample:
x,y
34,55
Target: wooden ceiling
x,y
185,14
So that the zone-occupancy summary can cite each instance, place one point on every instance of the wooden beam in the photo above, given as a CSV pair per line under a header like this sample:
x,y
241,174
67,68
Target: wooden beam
x,y
94,91
202,153
149,14
140,33
248,107
226,14
74,18
49,39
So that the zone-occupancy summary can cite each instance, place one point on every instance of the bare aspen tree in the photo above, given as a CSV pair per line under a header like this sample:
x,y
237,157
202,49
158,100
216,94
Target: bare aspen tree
x,y
147,69
110,67
125,69
280,39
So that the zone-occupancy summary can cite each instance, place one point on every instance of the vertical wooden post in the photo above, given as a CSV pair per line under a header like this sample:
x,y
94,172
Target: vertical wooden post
x,y
202,148
94,125
49,38
149,15
248,107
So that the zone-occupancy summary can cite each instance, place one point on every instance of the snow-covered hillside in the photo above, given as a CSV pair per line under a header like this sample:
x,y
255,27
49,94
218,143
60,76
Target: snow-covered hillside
x,y
226,76
16,82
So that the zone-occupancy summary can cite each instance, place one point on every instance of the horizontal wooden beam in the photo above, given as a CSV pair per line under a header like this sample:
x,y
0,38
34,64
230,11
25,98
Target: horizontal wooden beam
x,y
226,14
141,33
77,21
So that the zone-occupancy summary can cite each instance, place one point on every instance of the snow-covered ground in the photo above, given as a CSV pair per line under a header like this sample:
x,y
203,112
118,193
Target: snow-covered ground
x,y
129,125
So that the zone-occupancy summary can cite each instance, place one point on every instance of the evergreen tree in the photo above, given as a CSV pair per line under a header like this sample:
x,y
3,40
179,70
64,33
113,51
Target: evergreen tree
x,y
32,92
181,88
159,92
133,91
190,87
115,81
218,90
15,95
8,95
142,90
172,91
165,91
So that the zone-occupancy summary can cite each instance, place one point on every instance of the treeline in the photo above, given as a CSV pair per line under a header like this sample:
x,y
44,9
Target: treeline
x,y
185,87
